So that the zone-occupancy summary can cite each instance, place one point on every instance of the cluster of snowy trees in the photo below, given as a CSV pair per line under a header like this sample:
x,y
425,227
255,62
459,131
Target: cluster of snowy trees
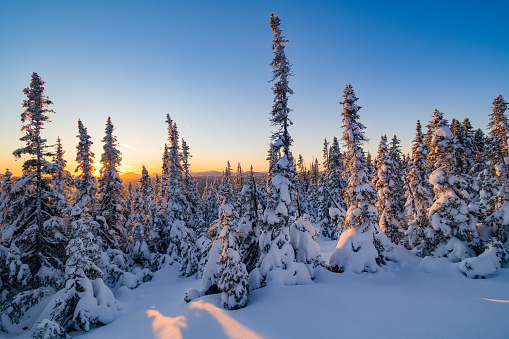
x,y
71,241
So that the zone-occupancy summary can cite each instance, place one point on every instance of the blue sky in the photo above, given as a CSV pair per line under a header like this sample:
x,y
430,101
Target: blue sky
x,y
206,63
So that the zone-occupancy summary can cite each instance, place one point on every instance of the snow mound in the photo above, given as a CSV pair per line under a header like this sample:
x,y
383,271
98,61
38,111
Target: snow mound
x,y
307,250
428,265
191,295
486,263
454,250
355,252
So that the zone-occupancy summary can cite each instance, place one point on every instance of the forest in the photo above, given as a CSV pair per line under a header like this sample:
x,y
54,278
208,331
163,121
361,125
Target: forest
x,y
68,242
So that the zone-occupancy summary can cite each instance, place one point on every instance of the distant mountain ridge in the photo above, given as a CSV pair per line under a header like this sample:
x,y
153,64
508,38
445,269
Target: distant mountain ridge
x,y
200,177
132,176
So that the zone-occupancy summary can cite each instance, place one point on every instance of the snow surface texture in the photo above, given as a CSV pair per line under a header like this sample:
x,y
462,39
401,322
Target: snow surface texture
x,y
414,298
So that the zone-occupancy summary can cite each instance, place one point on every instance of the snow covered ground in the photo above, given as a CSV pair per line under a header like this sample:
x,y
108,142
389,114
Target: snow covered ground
x,y
414,298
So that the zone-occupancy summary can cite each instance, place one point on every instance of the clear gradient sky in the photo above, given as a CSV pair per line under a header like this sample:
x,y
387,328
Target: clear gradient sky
x,y
206,63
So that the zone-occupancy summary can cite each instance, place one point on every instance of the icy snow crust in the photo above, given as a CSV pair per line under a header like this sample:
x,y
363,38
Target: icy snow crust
x,y
417,298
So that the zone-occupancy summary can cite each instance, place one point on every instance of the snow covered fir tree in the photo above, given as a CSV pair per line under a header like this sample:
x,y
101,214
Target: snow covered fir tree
x,y
362,246
75,248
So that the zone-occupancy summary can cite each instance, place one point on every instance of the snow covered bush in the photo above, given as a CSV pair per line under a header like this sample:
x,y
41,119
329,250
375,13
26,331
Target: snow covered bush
x,y
487,263
307,251
233,281
48,329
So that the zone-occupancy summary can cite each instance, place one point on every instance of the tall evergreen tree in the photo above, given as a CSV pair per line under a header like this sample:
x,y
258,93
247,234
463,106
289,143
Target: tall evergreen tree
x,y
452,225
62,182
418,197
159,228
147,195
232,273
468,145
60,193
312,193
6,184
436,122
210,202
459,141
193,212
128,203
111,202
225,213
361,247
137,224
238,183
335,189
32,248
85,182
400,169
41,243
181,238
495,178
249,224
370,167
276,251
499,125
388,192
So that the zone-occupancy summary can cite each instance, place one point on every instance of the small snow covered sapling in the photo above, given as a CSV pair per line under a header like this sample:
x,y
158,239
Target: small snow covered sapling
x,y
48,329
233,281
307,250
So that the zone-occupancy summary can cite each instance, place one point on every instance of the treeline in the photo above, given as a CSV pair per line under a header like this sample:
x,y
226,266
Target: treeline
x,y
70,241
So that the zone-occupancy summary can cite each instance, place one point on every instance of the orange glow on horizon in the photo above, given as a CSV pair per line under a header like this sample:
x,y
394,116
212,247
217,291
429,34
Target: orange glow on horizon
x,y
15,167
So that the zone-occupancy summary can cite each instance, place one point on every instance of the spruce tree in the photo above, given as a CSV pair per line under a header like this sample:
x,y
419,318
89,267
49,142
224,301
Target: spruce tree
x,y
312,193
193,212
32,249
388,192
361,247
232,273
468,146
276,250
128,203
335,187
495,194
147,196
41,243
181,240
85,182
452,225
6,184
418,198
138,248
158,227
370,167
62,183
495,178
85,300
400,169
209,201
226,214
249,223
238,183
499,125
111,202
436,122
